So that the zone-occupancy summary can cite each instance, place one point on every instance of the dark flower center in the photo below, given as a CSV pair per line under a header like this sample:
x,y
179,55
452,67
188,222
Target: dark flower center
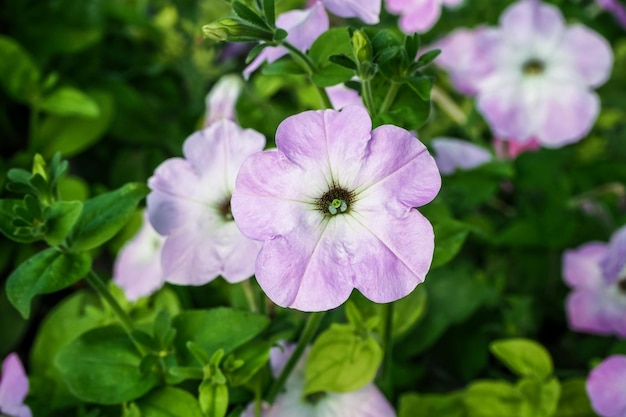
x,y
224,210
335,201
533,67
315,397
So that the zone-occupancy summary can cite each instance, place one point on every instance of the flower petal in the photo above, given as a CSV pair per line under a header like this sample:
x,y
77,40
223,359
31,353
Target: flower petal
x,y
614,262
587,53
13,387
366,402
531,22
581,266
239,257
452,153
586,312
366,10
168,213
606,386
416,16
221,100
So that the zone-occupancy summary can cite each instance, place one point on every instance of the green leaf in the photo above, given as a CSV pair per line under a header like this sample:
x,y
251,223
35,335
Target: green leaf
x,y
72,134
7,214
524,357
248,14
541,398
408,310
431,405
255,355
213,399
270,12
341,361
492,399
68,101
284,66
335,41
218,328
449,238
427,58
169,402
103,216
102,367
19,76
421,86
408,110
46,272
574,401
60,217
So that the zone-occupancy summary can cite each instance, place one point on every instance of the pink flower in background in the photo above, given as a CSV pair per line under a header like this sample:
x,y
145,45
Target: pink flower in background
x,y
303,27
606,387
366,402
534,75
13,388
221,100
452,154
334,206
137,269
190,205
511,148
418,15
598,301
366,10
616,8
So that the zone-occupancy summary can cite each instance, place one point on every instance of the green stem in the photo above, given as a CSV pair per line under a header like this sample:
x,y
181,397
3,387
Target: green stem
x,y
388,349
368,97
99,285
258,403
250,295
307,334
305,62
390,97
448,106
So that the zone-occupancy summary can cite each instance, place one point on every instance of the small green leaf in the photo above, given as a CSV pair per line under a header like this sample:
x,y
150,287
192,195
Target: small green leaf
x,y
270,12
540,398
46,272
248,14
254,52
449,238
421,86
68,101
523,356
19,76
341,361
343,60
283,66
213,399
492,399
427,58
412,45
169,402
255,355
102,367
103,216
431,405
7,227
60,217
335,41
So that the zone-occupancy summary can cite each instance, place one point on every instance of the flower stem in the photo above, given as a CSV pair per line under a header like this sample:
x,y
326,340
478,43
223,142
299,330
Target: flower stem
x,y
448,106
307,334
305,62
100,287
389,98
249,292
368,97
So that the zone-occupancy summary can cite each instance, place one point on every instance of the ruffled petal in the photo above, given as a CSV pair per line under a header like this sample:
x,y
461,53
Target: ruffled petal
x,y
587,54
168,213
581,266
341,96
614,262
417,16
531,23
366,10
586,312
451,153
13,387
221,100
239,258
569,112
606,386
397,167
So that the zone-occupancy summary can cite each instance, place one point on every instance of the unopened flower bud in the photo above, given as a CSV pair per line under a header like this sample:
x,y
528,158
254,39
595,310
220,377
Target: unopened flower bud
x,y
361,46
235,30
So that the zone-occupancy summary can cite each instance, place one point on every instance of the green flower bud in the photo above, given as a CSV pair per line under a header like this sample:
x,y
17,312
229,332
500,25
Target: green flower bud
x,y
361,46
235,30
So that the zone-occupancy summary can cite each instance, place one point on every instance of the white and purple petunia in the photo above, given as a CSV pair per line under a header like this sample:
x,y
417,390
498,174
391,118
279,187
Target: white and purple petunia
x,y
366,402
452,154
366,10
334,208
190,205
418,15
606,387
341,96
137,268
596,273
302,26
13,388
220,101
616,8
533,76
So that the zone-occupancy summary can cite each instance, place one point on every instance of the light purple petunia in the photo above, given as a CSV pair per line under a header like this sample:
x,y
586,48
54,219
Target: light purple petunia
x,y
616,8
137,269
366,10
418,15
13,388
533,75
452,154
220,101
334,206
366,402
597,303
190,205
302,26
341,96
606,387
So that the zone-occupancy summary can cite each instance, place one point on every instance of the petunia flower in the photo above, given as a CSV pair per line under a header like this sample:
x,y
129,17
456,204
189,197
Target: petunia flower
x,y
418,15
606,386
535,75
137,268
334,208
366,10
221,100
341,96
598,301
366,402
302,26
511,148
190,205
452,154
13,388
616,8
